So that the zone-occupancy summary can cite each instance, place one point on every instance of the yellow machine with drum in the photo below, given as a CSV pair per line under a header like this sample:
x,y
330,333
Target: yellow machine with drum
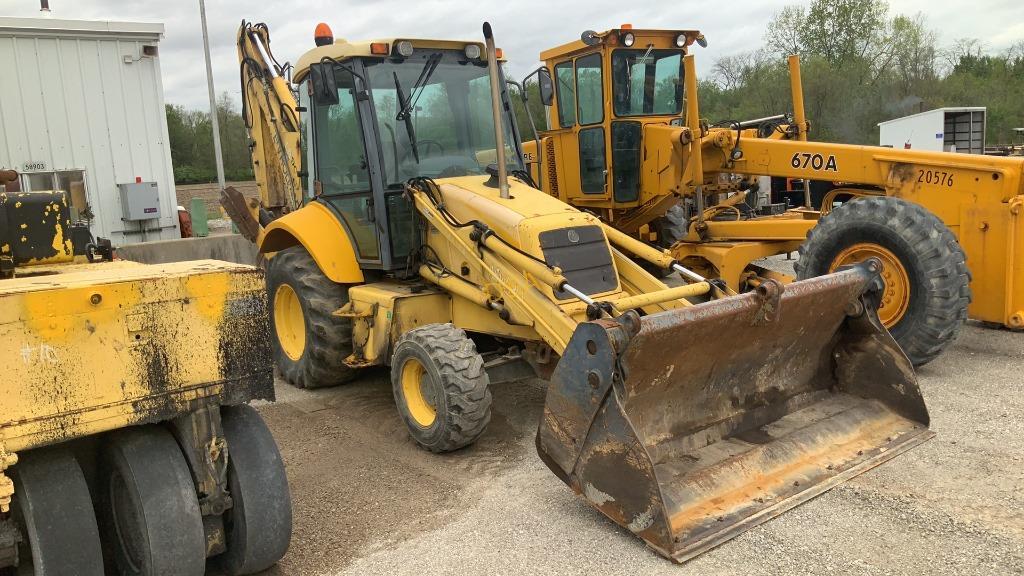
x,y
626,142
125,438
682,413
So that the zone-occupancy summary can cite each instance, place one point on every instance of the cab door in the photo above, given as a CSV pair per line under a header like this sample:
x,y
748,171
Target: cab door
x,y
580,108
341,167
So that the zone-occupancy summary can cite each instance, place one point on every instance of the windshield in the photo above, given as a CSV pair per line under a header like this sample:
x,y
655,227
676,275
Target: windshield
x,y
433,114
647,82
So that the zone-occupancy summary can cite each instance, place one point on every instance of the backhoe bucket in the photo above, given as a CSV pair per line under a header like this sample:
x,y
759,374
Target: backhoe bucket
x,y
690,426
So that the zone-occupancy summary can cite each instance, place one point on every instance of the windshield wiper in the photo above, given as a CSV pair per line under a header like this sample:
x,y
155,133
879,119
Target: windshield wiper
x,y
417,88
409,129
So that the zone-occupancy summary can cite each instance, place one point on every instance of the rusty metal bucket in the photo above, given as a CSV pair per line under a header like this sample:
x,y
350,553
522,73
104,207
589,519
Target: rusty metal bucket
x,y
689,427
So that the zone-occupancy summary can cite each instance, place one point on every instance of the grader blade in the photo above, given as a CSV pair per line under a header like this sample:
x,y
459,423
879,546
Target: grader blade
x,y
690,426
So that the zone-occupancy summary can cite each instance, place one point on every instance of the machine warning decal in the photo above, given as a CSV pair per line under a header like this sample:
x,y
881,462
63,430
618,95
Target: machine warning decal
x,y
814,161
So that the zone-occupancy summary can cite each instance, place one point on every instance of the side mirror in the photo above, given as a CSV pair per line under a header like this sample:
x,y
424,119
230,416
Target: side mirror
x,y
547,88
325,86
590,38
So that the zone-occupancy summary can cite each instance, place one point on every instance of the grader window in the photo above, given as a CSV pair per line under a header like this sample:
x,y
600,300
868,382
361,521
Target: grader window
x,y
647,82
566,91
589,90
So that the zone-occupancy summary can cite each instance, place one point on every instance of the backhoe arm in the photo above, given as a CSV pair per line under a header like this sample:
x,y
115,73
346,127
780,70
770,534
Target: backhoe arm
x,y
271,117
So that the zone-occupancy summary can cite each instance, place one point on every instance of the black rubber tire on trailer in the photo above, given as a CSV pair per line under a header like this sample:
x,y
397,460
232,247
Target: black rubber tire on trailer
x,y
151,517
441,387
259,524
932,261
309,347
53,503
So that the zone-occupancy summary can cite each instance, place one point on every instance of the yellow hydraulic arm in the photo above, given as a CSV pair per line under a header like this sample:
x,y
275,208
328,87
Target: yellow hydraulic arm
x,y
271,116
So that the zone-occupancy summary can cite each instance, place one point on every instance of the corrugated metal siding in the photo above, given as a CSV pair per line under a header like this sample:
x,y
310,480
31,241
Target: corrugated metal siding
x,y
73,103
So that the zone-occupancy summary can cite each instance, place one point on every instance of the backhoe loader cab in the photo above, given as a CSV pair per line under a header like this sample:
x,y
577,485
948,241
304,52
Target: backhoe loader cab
x,y
685,423
381,112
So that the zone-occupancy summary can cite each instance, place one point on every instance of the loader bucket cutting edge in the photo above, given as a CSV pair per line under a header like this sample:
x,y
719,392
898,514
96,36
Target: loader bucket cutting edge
x,y
690,426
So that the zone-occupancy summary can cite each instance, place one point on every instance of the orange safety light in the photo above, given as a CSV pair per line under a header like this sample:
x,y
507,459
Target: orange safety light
x,y
499,53
626,27
379,48
323,35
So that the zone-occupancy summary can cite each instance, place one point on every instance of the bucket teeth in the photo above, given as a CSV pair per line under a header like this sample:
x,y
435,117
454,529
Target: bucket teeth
x,y
714,418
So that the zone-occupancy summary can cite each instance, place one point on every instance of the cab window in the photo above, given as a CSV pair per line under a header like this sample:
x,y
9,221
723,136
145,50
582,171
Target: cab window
x,y
647,82
589,90
566,92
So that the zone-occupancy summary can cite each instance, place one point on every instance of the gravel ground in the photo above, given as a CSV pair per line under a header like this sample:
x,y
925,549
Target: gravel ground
x,y
368,501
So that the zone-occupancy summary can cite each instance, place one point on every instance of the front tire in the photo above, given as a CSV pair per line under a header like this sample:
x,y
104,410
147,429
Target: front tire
x,y
440,387
310,344
924,304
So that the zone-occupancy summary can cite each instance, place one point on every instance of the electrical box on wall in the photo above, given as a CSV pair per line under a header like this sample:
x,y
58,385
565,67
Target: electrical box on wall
x,y
140,200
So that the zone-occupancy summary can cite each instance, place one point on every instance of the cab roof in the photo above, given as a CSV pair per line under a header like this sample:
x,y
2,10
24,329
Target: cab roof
x,y
640,33
343,49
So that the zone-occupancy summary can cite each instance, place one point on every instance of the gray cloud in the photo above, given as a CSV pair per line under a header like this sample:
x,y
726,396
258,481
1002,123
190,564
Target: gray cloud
x,y
521,28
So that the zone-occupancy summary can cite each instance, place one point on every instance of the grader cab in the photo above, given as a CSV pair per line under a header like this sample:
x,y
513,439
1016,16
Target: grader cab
x,y
684,413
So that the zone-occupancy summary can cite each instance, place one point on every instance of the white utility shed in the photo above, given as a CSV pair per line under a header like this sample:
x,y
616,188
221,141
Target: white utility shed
x,y
82,101
942,129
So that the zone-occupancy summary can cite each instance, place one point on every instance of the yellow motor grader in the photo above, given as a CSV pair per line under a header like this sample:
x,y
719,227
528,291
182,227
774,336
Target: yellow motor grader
x,y
401,231
126,441
625,141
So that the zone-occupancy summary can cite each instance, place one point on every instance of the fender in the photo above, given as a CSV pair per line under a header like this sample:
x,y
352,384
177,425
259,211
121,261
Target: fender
x,y
318,230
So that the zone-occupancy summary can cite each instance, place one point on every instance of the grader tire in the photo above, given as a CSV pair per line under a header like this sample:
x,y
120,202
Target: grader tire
x,y
310,344
670,228
440,387
927,293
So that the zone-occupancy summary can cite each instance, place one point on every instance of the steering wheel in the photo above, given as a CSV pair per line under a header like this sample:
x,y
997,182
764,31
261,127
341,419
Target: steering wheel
x,y
427,143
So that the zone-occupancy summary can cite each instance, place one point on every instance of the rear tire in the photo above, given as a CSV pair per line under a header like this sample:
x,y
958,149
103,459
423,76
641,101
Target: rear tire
x,y
310,344
259,523
57,514
925,315
151,513
440,387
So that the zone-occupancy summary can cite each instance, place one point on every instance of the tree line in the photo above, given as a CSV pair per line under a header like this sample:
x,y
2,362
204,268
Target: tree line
x,y
862,65
191,139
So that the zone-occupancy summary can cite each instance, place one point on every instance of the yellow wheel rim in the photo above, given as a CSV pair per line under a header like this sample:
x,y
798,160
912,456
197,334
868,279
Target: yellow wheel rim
x,y
414,377
896,298
289,324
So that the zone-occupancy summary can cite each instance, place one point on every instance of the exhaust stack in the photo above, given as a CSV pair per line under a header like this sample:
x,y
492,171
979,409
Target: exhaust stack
x,y
499,136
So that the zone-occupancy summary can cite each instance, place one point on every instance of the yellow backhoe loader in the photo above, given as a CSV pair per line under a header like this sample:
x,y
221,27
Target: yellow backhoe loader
x,y
626,142
684,422
125,440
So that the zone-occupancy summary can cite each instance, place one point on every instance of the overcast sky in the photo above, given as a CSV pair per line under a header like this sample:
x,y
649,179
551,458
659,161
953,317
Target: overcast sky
x,y
521,28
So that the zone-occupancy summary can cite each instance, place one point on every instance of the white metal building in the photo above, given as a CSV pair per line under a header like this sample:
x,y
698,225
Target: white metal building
x,y
943,129
82,105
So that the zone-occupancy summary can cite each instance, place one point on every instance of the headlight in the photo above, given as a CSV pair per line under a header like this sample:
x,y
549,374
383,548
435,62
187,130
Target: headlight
x,y
681,40
404,48
628,39
472,51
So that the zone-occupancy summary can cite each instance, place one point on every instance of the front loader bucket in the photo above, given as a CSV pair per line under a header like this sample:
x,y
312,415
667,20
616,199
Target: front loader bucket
x,y
690,426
